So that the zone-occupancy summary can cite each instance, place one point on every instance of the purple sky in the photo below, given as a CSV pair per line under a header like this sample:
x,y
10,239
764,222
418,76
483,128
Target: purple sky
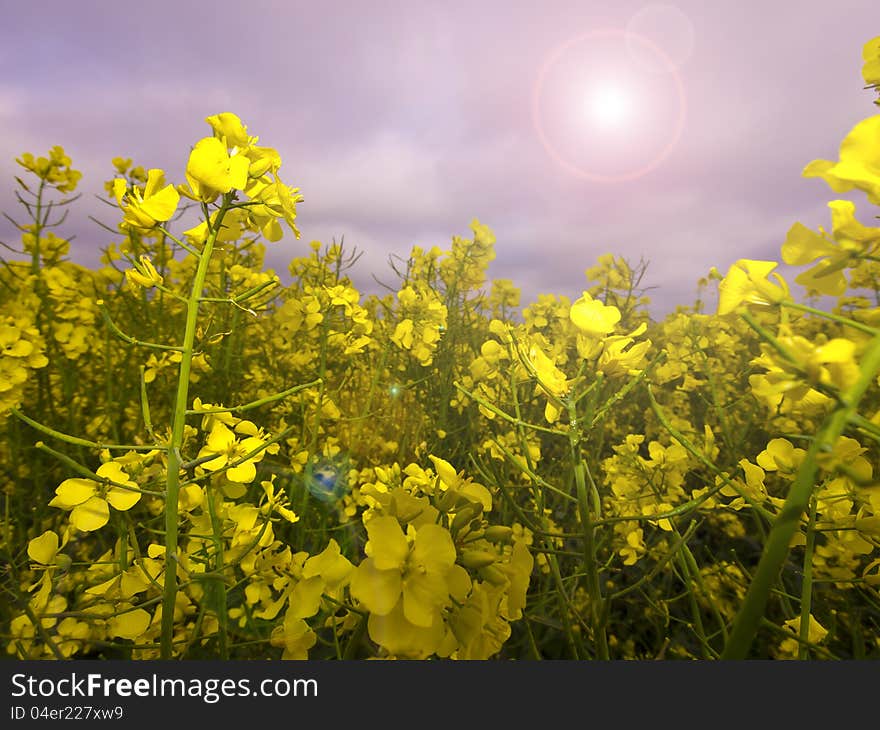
x,y
402,121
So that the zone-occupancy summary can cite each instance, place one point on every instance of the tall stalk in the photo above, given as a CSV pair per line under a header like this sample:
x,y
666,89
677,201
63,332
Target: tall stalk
x,y
172,484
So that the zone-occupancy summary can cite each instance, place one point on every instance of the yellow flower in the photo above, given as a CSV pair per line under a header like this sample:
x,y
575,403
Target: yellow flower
x,y
551,379
871,57
332,566
277,201
211,171
415,573
227,126
90,501
827,362
45,548
592,317
781,456
482,233
231,227
451,481
859,163
852,240
143,211
295,636
263,160
816,633
143,274
746,283
54,169
223,445
617,360
278,502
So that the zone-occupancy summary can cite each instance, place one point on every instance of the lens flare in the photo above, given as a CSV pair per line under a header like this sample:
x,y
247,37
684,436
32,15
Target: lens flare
x,y
327,478
630,120
608,106
667,27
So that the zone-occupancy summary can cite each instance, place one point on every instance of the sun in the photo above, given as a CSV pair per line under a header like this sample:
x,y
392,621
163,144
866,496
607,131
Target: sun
x,y
608,105
601,115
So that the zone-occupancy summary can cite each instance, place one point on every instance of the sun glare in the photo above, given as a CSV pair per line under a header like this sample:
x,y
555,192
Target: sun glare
x,y
608,106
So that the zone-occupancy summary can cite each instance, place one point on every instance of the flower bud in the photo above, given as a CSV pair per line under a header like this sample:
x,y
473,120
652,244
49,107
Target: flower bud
x,y
493,574
498,533
258,168
462,517
476,559
447,501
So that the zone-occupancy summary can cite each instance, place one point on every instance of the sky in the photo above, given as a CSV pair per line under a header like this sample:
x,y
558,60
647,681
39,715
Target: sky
x,y
670,132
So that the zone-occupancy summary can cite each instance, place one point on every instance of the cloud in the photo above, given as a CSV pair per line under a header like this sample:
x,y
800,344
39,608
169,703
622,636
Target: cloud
x,y
388,180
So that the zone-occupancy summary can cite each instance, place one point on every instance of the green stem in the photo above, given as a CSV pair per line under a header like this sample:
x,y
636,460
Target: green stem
x,y
748,619
591,568
177,430
506,416
77,441
128,338
218,586
807,587
833,317
256,403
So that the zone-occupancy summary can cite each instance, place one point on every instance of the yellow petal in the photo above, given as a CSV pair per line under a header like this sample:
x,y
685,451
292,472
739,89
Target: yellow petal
x,y
238,172
478,493
91,515
120,187
378,590
113,471
72,492
387,545
330,564
162,205
401,638
208,167
433,549
305,598
423,594
220,439
295,636
243,473
42,549
133,581
122,499
836,350
803,245
129,625
593,317
822,168
447,473
228,125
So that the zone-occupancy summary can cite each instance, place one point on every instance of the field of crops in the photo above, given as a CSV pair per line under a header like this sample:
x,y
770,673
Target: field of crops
x,y
199,461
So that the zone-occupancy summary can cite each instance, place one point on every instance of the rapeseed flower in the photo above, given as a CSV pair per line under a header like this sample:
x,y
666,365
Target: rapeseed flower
x,y
746,282
89,501
858,165
229,452
211,171
414,573
143,210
